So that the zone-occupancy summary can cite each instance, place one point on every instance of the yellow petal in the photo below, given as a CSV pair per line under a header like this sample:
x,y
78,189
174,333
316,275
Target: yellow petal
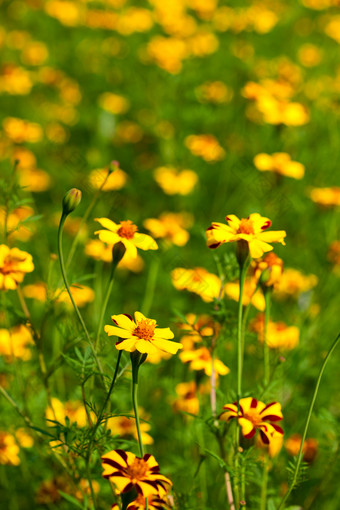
x,y
109,224
114,331
144,242
167,346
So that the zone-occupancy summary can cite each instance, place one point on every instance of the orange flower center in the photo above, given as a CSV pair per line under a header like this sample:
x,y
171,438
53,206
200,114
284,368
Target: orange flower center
x,y
253,416
8,267
145,329
127,229
246,227
137,470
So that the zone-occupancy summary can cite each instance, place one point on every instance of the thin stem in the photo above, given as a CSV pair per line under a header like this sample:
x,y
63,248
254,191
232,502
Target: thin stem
x,y
266,358
104,305
63,272
135,408
263,504
304,435
150,285
240,349
84,219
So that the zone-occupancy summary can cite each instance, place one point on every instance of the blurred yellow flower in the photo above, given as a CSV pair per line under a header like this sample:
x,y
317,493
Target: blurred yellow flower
x,y
187,400
206,147
198,328
14,264
279,336
23,438
20,130
16,229
292,283
232,290
214,92
128,132
67,12
170,226
173,181
201,359
9,450
269,270
73,410
310,447
115,180
113,103
34,53
134,19
275,443
197,280
281,163
15,80
126,427
81,294
34,180
326,197
16,342
126,233
168,52
141,334
310,55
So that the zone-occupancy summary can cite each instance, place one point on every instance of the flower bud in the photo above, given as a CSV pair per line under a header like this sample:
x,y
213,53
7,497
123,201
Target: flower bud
x,y
71,200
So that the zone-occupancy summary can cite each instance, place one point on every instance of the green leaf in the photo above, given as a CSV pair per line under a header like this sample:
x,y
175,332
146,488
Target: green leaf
x,y
71,499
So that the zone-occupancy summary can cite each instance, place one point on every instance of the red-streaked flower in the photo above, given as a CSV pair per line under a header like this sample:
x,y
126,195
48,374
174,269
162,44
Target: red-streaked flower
x,y
154,503
141,334
14,264
125,232
246,230
255,415
126,471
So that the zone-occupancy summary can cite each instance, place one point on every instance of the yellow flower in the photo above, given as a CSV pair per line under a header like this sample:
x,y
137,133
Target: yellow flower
x,y
116,179
126,427
141,334
24,439
125,232
214,92
200,359
292,283
206,147
326,197
113,103
170,226
175,182
16,229
310,447
20,130
16,342
275,443
279,336
80,293
197,280
232,290
14,264
247,230
34,180
73,410
187,400
9,450
281,163
309,55
268,270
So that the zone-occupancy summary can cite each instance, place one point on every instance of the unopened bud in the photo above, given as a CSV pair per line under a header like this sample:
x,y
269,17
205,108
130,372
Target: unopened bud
x,y
114,165
71,200
118,252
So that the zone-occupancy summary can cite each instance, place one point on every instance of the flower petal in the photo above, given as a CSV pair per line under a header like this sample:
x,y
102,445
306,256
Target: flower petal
x,y
108,237
163,333
128,345
109,224
167,346
144,242
124,321
114,331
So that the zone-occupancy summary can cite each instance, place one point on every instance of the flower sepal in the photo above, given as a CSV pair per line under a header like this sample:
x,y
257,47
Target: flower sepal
x,y
137,359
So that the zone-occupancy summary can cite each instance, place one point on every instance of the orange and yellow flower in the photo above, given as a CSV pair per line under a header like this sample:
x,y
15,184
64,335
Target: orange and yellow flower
x,y
126,233
173,181
279,335
199,281
126,427
292,283
9,450
16,342
309,449
201,359
268,270
280,163
14,264
170,226
254,415
326,197
247,230
141,334
187,400
126,471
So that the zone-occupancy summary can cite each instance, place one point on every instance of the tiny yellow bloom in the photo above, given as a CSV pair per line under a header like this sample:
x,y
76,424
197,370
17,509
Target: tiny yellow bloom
x,y
201,359
114,181
141,334
125,232
14,264
199,281
247,230
280,163
326,197
279,335
170,226
173,181
9,450
16,342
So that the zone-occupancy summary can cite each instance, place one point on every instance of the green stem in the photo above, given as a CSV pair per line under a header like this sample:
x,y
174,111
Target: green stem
x,y
83,221
150,285
266,358
240,347
304,435
263,504
104,305
63,272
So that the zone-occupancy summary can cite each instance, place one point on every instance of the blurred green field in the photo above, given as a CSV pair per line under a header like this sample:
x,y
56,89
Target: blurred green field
x,y
219,90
